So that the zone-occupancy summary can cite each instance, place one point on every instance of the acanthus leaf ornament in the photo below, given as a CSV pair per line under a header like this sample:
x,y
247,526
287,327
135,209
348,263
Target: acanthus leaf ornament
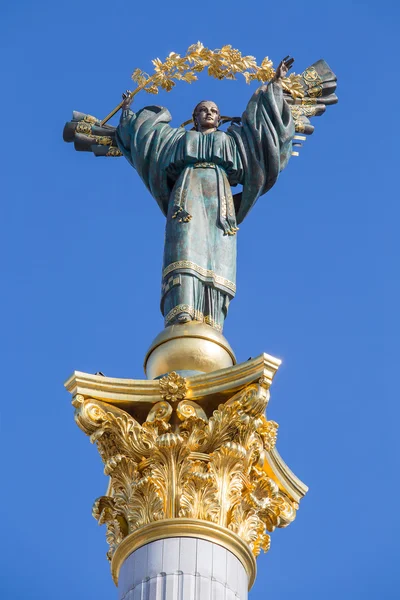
x,y
198,465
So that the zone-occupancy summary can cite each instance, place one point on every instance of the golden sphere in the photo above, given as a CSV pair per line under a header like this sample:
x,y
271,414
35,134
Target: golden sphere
x,y
192,346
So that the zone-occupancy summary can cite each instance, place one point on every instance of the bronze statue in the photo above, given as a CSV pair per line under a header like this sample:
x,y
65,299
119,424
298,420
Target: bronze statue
x,y
190,174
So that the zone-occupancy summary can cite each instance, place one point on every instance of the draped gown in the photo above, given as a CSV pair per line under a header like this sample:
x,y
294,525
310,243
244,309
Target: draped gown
x,y
190,174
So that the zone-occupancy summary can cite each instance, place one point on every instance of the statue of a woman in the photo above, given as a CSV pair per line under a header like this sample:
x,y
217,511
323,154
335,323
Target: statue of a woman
x,y
190,174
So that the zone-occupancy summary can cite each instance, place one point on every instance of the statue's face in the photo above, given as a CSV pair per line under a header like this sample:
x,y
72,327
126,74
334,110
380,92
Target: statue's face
x,y
207,115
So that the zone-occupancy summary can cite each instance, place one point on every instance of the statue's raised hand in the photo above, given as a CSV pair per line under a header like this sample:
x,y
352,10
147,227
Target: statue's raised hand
x,y
126,100
283,68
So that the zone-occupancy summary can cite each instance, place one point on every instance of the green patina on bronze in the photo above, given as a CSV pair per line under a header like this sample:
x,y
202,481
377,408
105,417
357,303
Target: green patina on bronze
x,y
190,175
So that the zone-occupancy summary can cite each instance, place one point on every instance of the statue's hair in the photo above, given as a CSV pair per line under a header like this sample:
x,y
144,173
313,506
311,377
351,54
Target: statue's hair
x,y
195,112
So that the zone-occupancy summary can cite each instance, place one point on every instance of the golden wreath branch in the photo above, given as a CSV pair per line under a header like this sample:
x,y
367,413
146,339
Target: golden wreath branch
x,y
223,63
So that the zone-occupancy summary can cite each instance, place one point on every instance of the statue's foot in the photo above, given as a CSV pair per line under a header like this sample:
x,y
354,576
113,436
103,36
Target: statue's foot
x,y
183,317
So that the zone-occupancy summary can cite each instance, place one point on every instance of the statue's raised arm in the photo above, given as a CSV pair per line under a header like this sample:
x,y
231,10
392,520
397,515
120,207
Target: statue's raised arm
x,y
147,141
264,140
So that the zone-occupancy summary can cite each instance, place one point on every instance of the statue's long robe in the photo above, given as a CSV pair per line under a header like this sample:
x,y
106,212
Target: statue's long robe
x,y
190,175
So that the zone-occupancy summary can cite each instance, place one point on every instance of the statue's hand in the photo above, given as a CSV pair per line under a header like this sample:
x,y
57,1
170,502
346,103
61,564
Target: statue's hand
x,y
283,68
127,100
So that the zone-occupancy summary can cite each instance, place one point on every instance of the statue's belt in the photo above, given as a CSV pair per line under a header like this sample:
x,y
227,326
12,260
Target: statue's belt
x,y
204,165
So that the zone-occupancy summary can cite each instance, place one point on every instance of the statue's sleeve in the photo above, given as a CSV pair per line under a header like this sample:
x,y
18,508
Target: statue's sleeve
x,y
147,141
123,133
264,141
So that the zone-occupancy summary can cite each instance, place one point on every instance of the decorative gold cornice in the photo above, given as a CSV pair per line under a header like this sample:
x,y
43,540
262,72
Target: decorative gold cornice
x,y
132,393
287,481
179,527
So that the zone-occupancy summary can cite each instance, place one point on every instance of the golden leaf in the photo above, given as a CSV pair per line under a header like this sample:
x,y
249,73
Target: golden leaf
x,y
249,77
157,65
195,48
146,505
199,497
137,74
152,89
182,65
164,82
266,63
215,71
206,54
189,77
268,431
199,66
265,74
292,84
247,525
249,62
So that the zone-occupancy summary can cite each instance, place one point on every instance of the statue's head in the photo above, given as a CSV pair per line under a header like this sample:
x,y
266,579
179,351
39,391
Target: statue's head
x,y
206,116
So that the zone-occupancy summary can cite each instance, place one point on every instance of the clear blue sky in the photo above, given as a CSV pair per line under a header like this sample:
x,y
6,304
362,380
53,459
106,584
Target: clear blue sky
x,y
318,283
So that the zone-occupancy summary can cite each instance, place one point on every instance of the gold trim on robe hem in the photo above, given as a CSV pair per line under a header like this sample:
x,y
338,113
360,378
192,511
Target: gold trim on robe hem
x,y
188,264
196,315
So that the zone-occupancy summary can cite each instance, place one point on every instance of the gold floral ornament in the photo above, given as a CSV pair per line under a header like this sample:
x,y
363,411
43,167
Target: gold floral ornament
x,y
222,63
212,468
173,387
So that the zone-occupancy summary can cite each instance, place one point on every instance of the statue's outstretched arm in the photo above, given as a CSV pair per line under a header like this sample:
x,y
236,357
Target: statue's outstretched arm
x,y
88,135
267,139
318,83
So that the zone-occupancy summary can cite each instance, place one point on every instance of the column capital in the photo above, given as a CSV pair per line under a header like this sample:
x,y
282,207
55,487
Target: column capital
x,y
188,457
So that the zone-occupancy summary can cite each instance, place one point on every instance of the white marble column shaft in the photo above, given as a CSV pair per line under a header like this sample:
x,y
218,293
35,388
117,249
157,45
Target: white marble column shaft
x,y
182,569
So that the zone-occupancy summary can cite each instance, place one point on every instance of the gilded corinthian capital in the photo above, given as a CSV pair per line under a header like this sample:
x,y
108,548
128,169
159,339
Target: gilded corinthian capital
x,y
187,453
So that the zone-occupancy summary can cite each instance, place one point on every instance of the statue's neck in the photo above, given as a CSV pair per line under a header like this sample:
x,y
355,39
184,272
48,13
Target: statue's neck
x,y
211,130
